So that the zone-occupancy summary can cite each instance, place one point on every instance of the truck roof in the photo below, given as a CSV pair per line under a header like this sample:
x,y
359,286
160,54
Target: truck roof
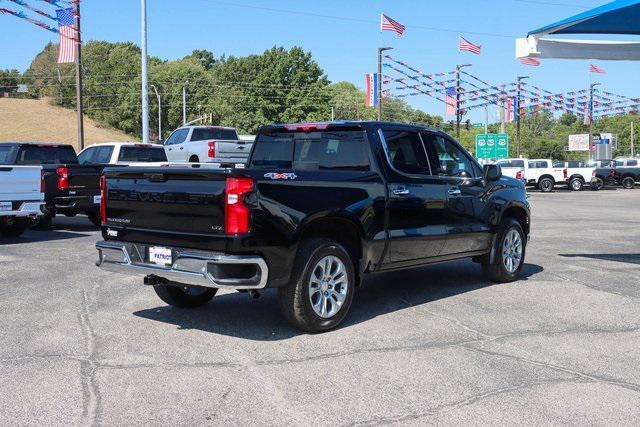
x,y
36,144
348,123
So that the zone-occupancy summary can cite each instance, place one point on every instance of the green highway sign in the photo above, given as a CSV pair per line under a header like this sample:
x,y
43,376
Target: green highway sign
x,y
492,146
478,125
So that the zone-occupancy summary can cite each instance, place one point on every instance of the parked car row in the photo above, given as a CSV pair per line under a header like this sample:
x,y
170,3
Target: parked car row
x,y
545,175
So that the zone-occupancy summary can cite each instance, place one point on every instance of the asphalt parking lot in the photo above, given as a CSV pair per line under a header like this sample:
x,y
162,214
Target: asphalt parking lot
x,y
437,345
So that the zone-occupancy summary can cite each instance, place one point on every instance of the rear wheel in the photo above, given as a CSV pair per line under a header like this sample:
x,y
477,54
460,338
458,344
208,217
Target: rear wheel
x,y
13,227
321,289
508,253
94,217
185,296
576,184
628,183
42,222
597,184
546,185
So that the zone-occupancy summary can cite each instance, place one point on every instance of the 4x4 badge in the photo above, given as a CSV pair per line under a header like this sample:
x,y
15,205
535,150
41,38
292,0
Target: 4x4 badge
x,y
280,175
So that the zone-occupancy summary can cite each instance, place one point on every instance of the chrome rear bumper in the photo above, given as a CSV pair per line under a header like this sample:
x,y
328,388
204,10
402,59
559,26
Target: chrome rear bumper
x,y
189,266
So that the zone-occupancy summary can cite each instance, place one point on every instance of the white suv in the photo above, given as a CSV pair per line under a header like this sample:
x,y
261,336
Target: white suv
x,y
206,144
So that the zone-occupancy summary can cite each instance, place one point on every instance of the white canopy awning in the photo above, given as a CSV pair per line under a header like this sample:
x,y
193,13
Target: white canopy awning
x,y
577,49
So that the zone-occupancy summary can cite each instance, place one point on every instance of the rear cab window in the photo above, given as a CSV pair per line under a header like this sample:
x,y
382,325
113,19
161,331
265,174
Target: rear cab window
x,y
340,149
7,153
202,134
511,163
46,155
142,154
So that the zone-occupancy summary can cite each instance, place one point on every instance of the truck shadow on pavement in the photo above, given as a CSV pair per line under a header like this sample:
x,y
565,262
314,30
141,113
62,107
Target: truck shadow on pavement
x,y
626,258
235,314
63,228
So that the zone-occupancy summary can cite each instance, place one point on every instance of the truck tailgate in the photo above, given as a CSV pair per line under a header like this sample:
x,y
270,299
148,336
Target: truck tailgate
x,y
180,201
20,183
84,180
233,149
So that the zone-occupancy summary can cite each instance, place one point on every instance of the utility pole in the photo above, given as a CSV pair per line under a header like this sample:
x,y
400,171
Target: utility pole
x,y
78,41
486,119
184,103
333,114
458,98
593,85
633,138
159,112
379,88
517,109
144,94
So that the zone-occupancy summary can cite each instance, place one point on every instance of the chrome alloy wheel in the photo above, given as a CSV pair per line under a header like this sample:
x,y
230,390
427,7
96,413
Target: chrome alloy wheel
x,y
328,286
512,251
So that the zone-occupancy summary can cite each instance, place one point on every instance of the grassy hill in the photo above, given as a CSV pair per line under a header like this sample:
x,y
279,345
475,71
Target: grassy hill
x,y
38,121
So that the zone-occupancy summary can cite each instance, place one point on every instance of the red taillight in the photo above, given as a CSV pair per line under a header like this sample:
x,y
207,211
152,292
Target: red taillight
x,y
43,183
103,199
519,175
565,173
63,178
612,173
593,173
212,149
307,127
237,214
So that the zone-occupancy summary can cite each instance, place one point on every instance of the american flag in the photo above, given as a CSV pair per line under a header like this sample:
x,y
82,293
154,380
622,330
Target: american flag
x,y
466,46
388,24
596,69
67,30
530,61
451,101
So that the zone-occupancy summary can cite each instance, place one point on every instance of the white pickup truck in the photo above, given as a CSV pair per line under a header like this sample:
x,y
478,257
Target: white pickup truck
x,y
576,174
21,198
207,144
539,173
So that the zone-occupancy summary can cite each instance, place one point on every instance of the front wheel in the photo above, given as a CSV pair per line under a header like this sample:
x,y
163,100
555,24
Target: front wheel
x,y
628,183
321,289
185,296
546,185
508,253
576,184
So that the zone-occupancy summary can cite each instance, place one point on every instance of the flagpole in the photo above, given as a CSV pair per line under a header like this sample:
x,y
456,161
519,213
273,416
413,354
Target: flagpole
x,y
144,94
379,88
78,41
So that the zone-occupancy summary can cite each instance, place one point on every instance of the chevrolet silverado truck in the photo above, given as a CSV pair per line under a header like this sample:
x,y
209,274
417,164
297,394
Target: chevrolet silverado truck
x,y
318,207
21,198
69,187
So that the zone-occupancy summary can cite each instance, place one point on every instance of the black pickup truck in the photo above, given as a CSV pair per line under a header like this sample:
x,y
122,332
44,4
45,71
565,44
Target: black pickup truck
x,y
318,207
614,176
69,188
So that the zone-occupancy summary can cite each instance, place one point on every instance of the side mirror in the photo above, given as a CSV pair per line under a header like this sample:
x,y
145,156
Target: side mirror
x,y
491,173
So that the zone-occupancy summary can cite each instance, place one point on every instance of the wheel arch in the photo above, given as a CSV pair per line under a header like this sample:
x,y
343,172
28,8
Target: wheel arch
x,y
520,214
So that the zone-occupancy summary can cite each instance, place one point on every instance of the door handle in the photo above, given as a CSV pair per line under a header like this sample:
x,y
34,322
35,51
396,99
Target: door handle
x,y
400,191
454,192
182,148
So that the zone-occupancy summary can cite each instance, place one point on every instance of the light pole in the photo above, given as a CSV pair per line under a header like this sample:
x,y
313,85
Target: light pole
x,y
184,103
593,85
144,94
458,96
78,43
379,88
159,112
517,108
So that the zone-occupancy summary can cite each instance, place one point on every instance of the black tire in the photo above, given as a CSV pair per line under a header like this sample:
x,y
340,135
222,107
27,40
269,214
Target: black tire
x,y
628,183
576,184
546,185
42,222
194,159
496,271
184,297
295,299
94,217
597,184
13,227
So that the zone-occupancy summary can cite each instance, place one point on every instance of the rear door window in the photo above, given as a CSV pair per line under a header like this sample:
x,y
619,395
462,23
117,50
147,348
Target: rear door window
x,y
103,155
142,154
406,152
337,150
632,163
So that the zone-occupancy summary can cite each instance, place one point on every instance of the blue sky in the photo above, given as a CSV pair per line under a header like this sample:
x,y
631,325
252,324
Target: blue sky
x,y
344,46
